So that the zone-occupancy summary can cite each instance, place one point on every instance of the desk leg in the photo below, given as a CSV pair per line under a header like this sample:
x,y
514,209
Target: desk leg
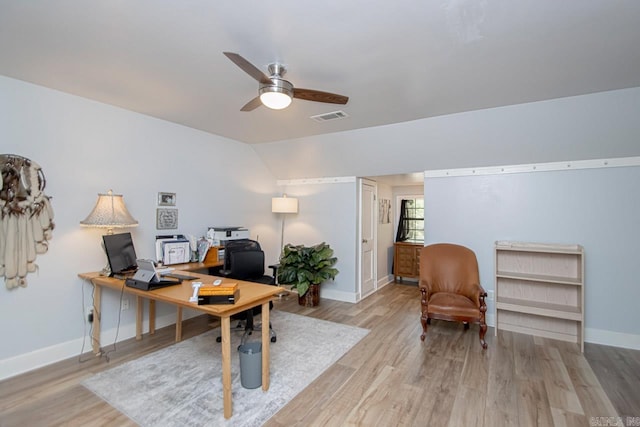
x,y
266,340
152,316
139,312
179,324
97,312
225,330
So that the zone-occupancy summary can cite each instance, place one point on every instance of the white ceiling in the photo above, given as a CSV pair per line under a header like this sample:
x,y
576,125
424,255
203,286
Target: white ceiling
x,y
396,60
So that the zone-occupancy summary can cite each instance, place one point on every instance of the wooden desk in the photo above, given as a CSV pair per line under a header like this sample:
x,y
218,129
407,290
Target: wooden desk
x,y
251,295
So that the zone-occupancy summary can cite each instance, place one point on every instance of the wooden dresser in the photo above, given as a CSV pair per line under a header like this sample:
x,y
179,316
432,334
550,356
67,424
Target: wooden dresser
x,y
406,260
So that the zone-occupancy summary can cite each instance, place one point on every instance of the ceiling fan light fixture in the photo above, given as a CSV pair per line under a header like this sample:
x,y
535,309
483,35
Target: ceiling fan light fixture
x,y
275,100
277,95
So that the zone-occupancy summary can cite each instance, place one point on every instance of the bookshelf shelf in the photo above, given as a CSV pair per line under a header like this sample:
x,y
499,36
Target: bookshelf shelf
x,y
540,290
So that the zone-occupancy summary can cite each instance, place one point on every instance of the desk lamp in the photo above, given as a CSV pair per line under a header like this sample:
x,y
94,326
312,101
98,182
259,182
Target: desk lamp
x,y
109,212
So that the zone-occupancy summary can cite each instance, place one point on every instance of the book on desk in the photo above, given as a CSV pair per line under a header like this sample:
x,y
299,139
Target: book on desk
x,y
228,293
219,299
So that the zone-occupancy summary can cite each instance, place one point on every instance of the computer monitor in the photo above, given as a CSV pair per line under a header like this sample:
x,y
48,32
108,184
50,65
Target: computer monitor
x,y
120,252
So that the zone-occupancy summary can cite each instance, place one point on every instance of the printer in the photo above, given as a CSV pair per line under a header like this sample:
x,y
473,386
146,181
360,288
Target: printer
x,y
218,236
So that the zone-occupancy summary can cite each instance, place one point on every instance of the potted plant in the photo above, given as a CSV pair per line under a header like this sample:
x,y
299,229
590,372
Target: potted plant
x,y
305,268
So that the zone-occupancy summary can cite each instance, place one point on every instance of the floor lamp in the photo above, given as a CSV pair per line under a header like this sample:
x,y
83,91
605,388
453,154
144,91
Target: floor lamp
x,y
283,205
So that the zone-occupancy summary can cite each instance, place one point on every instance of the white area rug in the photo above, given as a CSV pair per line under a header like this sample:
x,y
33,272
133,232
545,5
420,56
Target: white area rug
x,y
181,385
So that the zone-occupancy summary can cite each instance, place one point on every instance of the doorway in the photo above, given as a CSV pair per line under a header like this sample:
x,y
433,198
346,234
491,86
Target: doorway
x,y
389,189
367,250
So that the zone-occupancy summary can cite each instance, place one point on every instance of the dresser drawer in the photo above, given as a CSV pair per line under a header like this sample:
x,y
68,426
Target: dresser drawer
x,y
406,260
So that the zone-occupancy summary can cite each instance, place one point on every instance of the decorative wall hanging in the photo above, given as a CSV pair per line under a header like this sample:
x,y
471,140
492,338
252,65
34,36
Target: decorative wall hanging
x,y
166,219
384,215
26,218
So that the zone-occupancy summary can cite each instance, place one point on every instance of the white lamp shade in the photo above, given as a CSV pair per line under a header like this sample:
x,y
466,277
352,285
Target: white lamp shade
x,y
284,205
109,212
275,100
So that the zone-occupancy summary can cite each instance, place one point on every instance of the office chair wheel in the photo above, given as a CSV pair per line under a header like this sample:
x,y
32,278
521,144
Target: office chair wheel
x,y
274,339
219,339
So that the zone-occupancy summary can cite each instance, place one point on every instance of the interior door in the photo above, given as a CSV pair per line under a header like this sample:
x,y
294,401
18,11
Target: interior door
x,y
368,211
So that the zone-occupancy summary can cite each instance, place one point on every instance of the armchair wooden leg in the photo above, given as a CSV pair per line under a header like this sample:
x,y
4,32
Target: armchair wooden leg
x,y
483,320
424,320
466,325
483,331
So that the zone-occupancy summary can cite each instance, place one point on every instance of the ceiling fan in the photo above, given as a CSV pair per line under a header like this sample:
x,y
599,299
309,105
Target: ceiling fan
x,y
275,92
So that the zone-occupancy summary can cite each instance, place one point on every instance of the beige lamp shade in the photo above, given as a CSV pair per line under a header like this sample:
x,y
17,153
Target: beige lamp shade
x,y
110,212
284,204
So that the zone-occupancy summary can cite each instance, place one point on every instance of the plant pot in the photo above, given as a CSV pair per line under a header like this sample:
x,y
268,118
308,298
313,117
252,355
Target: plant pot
x,y
311,298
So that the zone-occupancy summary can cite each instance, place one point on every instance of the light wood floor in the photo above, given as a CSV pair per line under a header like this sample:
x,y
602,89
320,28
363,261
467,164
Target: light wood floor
x,y
390,378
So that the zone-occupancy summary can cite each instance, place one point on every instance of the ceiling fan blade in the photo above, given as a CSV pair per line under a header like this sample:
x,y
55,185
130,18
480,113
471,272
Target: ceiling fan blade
x,y
252,105
319,96
247,67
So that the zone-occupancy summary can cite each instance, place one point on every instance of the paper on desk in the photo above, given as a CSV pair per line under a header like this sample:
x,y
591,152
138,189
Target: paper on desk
x,y
176,252
203,248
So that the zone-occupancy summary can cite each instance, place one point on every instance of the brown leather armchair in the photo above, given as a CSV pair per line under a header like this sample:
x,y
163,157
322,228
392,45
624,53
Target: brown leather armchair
x,y
450,287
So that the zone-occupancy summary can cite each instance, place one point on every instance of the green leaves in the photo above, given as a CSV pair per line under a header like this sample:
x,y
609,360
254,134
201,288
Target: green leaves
x,y
301,266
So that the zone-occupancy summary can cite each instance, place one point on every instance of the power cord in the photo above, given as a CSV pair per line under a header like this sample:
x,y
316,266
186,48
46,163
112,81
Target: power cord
x,y
115,340
90,320
85,320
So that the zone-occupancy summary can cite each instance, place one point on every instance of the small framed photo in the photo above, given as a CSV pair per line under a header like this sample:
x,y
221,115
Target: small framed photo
x,y
166,199
166,219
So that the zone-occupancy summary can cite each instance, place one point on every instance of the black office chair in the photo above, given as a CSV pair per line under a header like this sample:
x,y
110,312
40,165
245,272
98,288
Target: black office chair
x,y
244,260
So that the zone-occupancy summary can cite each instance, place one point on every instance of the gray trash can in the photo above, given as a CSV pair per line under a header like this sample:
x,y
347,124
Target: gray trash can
x,y
250,364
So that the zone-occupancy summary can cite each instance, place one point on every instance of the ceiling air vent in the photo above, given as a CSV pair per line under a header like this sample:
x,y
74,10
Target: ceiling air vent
x,y
334,115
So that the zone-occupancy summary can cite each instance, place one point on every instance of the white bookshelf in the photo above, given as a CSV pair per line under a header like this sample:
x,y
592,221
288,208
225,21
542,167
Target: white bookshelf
x,y
540,290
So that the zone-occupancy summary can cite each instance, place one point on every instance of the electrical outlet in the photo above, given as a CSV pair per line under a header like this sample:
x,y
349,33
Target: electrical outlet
x,y
124,305
490,295
89,313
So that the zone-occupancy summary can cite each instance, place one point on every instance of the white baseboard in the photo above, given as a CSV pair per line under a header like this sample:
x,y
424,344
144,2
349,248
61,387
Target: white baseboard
x,y
386,280
352,297
26,362
614,339
490,319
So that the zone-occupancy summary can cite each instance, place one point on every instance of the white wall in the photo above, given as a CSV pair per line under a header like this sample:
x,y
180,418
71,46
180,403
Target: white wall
x,y
386,235
327,213
85,147
592,126
600,125
596,208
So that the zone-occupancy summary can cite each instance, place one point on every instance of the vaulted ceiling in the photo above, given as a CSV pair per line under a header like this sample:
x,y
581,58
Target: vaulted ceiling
x,y
396,60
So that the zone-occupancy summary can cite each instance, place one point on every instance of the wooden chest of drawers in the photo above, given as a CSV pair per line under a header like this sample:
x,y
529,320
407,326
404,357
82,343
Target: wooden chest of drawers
x,y
406,260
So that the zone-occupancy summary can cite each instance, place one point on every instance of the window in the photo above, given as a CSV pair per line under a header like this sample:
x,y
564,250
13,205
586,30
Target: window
x,y
411,219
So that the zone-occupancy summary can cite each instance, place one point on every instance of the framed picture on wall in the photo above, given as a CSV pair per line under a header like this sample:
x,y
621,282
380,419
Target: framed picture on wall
x,y
166,199
384,215
166,219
